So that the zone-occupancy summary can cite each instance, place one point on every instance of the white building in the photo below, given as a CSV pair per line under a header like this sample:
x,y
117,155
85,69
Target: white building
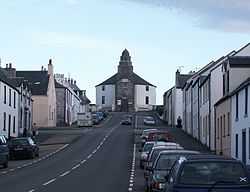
x,y
125,91
8,107
240,110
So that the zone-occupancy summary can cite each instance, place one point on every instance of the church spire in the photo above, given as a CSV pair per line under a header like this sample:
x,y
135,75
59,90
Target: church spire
x,y
125,67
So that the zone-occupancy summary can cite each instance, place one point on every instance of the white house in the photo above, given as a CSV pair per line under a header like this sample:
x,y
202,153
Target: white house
x,y
240,110
125,91
173,105
8,107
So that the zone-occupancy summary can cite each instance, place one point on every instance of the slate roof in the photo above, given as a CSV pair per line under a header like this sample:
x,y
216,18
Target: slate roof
x,y
136,79
38,80
241,86
59,85
6,80
84,100
181,80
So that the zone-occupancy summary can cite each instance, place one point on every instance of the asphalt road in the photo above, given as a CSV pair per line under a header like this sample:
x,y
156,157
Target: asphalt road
x,y
100,161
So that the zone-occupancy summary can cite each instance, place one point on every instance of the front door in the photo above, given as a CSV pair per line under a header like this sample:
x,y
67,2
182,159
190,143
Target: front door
x,y
124,105
244,147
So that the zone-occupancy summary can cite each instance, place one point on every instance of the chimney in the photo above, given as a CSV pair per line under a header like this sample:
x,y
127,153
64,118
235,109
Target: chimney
x,y
84,92
81,93
68,80
10,72
42,68
50,68
71,81
177,75
75,82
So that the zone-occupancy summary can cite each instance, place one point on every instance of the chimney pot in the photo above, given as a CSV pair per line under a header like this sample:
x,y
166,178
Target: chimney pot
x,y
50,61
75,82
10,65
7,66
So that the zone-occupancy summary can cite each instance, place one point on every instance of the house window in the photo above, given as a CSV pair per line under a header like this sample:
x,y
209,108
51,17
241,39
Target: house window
x,y
21,118
9,97
103,100
227,81
14,99
4,121
9,125
236,146
5,95
147,100
147,88
14,124
103,88
237,107
224,87
224,125
228,124
246,100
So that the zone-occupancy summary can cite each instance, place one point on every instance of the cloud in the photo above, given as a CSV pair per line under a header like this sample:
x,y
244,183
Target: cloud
x,y
226,15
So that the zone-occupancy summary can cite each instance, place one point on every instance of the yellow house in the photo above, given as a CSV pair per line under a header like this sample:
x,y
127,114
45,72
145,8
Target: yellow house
x,y
43,94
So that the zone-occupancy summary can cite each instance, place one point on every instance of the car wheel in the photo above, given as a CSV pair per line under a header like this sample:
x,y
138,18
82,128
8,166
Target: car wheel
x,y
5,165
32,155
141,165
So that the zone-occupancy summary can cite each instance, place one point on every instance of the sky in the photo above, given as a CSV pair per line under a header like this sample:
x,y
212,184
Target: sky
x,y
85,39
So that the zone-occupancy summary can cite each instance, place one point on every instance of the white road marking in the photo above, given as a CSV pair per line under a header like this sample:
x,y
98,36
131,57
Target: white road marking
x,y
32,190
64,174
132,174
49,182
75,167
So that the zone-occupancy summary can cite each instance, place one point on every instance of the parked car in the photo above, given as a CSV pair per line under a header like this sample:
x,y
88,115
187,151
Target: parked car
x,y
95,119
160,136
145,134
100,115
126,121
149,120
23,147
147,149
154,154
4,152
207,173
161,167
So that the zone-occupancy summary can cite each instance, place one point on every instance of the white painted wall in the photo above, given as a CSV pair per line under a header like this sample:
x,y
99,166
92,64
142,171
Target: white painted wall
x,y
195,103
241,124
140,97
9,110
178,105
109,94
204,116
189,111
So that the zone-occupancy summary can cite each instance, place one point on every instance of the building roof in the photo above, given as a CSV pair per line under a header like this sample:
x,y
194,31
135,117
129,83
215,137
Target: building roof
x,y
136,79
84,99
59,85
39,81
182,79
6,80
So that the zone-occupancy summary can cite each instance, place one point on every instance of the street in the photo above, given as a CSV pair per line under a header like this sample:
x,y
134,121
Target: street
x,y
104,158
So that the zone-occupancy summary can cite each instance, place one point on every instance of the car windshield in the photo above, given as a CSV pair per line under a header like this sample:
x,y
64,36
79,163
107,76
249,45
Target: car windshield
x,y
155,154
166,161
148,147
149,118
208,173
20,142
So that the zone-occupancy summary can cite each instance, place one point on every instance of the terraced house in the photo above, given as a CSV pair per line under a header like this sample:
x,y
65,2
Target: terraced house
x,y
8,107
42,85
